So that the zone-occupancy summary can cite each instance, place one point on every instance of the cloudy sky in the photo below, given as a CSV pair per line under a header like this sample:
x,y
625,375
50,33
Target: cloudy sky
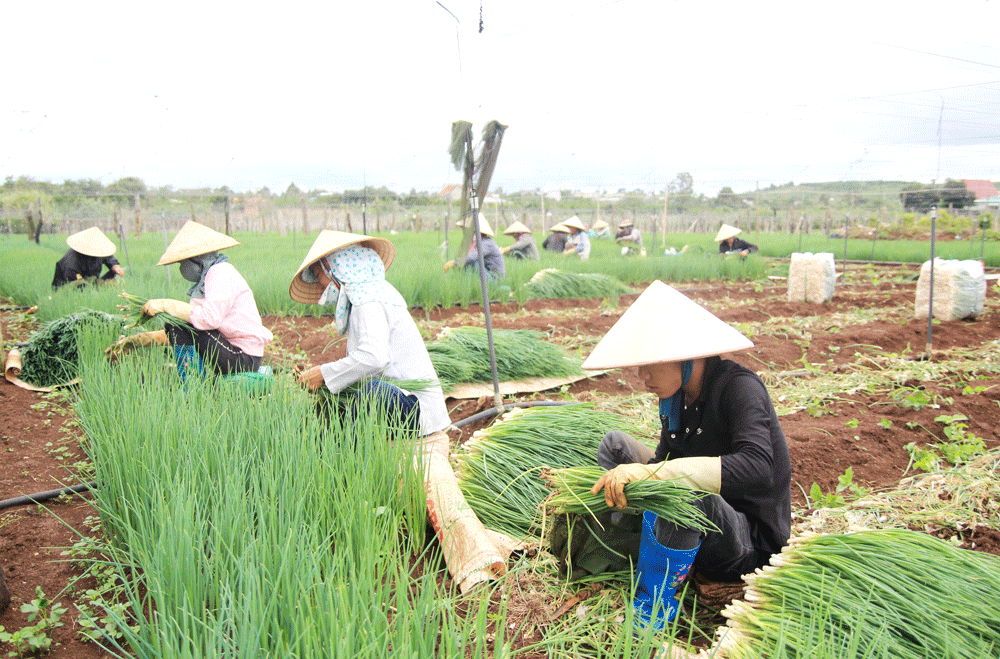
x,y
597,94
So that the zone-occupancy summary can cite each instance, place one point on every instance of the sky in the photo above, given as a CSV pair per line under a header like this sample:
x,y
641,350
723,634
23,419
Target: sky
x,y
598,95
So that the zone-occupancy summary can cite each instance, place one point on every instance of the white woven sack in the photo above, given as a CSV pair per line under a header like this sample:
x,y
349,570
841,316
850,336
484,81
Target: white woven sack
x,y
811,277
959,289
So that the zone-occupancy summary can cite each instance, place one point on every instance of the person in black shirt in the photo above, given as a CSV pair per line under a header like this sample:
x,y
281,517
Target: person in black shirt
x,y
556,241
89,252
719,434
730,244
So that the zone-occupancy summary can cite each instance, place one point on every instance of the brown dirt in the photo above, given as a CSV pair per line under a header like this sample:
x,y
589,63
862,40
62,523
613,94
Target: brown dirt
x,y
38,432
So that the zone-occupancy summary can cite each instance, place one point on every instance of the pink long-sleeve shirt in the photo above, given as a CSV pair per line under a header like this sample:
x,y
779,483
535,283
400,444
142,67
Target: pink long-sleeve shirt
x,y
229,306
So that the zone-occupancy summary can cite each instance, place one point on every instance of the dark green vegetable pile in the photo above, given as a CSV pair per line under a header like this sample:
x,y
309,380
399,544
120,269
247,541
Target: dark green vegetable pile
x,y
51,356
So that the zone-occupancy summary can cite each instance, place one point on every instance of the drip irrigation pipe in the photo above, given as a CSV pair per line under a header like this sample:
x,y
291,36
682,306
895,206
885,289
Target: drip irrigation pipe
x,y
45,496
493,411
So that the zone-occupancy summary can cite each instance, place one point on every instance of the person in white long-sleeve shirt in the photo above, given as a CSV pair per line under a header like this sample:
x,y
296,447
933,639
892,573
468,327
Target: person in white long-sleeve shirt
x,y
347,271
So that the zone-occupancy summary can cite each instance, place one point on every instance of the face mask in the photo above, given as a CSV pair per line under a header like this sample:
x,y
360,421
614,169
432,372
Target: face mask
x,y
191,270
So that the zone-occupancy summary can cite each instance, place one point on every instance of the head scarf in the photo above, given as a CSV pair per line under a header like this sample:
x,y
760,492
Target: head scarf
x,y
360,273
195,269
670,408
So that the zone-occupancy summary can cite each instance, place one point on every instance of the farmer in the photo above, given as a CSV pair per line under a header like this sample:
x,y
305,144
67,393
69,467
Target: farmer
x,y
600,229
578,242
347,271
227,335
720,434
556,240
89,251
730,244
524,246
492,256
630,239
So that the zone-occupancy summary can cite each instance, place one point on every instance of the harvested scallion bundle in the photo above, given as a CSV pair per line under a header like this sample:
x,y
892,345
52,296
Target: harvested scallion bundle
x,y
462,354
556,284
498,468
671,501
132,313
887,593
51,356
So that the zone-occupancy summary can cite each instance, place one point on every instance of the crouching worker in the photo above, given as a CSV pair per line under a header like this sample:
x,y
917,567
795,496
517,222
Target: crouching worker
x,y
90,251
222,332
719,434
347,272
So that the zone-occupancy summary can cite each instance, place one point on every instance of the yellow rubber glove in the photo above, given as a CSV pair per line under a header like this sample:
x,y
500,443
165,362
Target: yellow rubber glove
x,y
175,308
449,265
699,473
126,344
505,250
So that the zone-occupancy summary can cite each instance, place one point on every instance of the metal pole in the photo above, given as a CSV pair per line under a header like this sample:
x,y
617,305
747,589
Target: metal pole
x,y
121,231
930,297
474,203
163,222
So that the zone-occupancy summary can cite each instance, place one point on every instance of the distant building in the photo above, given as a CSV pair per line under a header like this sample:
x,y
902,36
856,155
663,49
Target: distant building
x,y
986,193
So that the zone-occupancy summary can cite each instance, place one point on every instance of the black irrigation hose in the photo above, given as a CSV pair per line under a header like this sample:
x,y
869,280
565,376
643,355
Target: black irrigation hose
x,y
493,411
45,496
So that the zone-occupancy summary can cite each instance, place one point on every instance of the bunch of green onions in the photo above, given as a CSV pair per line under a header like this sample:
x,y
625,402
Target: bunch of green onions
x,y
884,593
462,354
131,311
554,284
498,468
669,499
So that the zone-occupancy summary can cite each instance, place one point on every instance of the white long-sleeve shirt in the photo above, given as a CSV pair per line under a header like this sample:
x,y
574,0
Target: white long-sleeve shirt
x,y
383,341
229,306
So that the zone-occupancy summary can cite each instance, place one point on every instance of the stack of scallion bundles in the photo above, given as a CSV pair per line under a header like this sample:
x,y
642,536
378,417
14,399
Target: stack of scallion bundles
x,y
131,310
462,354
669,499
498,469
552,284
51,356
877,594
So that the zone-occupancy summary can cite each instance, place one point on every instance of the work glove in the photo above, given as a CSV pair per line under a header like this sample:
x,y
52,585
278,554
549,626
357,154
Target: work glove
x,y
175,308
449,265
126,344
698,473
506,249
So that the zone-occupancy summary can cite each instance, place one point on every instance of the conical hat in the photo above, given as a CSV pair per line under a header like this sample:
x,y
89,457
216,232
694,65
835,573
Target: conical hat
x,y
726,231
575,223
91,242
599,225
625,223
664,325
560,228
194,240
516,228
484,226
327,242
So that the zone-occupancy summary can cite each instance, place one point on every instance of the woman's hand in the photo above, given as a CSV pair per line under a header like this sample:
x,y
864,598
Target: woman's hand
x,y
312,378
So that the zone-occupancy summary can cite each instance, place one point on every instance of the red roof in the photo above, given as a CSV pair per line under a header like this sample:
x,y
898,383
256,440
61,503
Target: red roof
x,y
983,189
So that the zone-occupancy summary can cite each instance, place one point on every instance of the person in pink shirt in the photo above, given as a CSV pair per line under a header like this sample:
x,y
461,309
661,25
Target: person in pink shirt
x,y
224,333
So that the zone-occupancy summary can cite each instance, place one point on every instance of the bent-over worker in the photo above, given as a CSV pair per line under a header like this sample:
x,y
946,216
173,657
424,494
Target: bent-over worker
x,y
524,246
719,434
89,252
630,239
496,267
730,244
347,271
578,242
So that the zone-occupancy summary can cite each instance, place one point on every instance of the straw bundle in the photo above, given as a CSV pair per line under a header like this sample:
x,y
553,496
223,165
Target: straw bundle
x,y
811,277
959,289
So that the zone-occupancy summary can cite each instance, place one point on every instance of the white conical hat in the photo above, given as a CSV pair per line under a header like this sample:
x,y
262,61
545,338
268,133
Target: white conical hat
x,y
91,242
559,228
327,242
625,223
575,223
600,224
726,231
664,325
194,240
516,227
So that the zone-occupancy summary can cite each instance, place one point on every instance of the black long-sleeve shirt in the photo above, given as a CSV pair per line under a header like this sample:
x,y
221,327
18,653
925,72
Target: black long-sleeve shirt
x,y
734,418
74,265
738,246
